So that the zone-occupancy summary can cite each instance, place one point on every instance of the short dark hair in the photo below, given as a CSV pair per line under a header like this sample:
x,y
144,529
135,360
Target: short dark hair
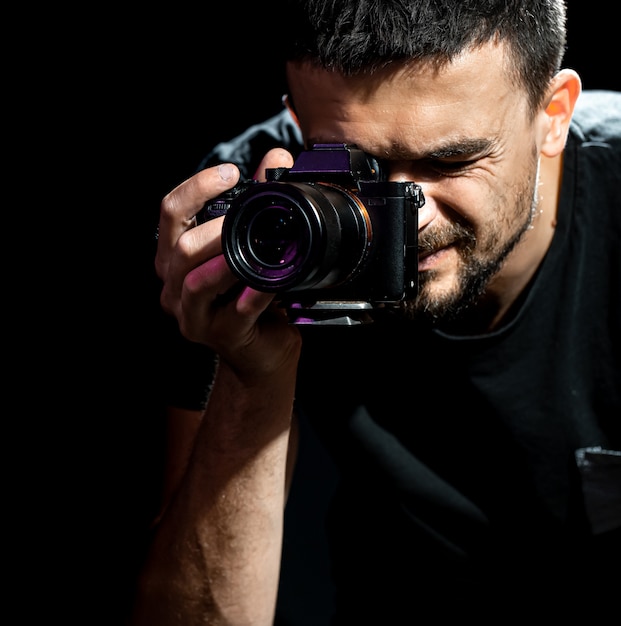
x,y
361,36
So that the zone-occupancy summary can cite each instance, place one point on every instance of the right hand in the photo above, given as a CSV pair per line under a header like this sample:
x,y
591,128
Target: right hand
x,y
244,326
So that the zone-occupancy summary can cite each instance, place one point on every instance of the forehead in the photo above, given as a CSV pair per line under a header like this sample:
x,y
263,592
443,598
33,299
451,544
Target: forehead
x,y
414,105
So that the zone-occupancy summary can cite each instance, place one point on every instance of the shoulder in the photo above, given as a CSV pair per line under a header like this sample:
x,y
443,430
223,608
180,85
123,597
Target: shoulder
x,y
597,116
593,151
247,149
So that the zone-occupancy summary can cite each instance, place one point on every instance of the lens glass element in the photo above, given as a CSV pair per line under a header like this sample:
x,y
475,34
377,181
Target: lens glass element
x,y
276,240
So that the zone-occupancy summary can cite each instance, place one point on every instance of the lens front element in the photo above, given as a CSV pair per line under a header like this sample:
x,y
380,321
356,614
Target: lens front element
x,y
276,238
283,236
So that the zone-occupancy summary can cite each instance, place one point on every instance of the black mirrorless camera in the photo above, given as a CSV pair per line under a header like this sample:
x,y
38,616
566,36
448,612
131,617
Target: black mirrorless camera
x,y
330,235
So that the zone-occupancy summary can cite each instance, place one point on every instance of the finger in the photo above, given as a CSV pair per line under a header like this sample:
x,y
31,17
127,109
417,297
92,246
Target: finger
x,y
179,207
204,288
276,157
194,247
213,300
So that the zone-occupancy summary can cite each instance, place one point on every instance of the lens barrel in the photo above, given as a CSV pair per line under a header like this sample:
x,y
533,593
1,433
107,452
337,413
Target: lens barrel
x,y
289,236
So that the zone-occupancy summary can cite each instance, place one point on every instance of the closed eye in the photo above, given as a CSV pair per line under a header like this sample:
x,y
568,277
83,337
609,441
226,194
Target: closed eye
x,y
460,156
452,167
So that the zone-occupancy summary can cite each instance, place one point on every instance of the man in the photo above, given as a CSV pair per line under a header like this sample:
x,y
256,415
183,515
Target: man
x,y
475,422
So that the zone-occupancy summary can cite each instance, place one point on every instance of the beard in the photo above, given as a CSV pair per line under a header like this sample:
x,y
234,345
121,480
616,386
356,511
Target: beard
x,y
480,257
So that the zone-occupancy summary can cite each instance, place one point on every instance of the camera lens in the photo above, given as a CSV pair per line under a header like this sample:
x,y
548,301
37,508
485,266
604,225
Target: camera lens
x,y
280,236
275,238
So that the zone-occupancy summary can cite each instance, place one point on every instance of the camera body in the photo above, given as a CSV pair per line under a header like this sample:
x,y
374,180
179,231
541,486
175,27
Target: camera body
x,y
329,233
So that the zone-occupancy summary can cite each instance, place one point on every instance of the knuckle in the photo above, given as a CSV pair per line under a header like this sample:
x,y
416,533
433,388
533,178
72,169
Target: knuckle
x,y
168,205
167,302
186,246
160,266
194,285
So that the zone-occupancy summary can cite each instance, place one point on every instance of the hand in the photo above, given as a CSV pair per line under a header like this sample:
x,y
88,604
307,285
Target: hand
x,y
212,307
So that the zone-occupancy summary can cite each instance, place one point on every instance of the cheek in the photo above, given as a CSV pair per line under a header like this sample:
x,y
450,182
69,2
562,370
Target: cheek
x,y
486,211
462,200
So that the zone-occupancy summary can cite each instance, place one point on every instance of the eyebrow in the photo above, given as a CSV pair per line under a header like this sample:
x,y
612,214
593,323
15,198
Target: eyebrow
x,y
460,148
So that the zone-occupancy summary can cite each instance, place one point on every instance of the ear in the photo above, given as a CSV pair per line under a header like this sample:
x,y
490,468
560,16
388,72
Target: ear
x,y
565,88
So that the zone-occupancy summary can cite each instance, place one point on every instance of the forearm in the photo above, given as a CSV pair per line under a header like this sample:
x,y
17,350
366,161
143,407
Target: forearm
x,y
216,554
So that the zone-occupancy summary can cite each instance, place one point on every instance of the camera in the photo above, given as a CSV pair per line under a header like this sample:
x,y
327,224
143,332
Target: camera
x,y
330,234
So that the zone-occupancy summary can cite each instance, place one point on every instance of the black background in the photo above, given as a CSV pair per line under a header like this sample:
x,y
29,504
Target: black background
x,y
127,105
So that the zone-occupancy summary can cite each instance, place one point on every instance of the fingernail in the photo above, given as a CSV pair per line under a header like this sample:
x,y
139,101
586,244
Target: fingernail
x,y
226,171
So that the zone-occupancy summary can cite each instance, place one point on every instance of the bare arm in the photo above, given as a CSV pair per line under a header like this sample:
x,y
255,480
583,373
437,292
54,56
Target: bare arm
x,y
216,552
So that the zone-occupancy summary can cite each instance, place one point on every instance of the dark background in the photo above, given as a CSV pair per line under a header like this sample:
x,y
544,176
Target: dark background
x,y
134,101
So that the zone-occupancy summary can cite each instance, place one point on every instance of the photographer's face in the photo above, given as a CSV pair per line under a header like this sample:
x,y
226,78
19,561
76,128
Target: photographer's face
x,y
464,133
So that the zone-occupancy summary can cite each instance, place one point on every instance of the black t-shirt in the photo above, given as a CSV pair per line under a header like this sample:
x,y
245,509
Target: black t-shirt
x,y
481,469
